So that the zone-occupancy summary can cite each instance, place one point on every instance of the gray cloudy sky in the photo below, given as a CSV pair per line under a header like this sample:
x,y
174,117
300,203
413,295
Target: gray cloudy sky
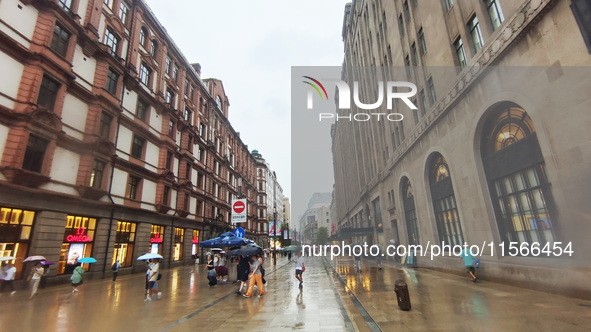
x,y
251,46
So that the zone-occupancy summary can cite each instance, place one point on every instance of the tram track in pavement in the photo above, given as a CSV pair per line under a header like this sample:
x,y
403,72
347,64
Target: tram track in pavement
x,y
367,318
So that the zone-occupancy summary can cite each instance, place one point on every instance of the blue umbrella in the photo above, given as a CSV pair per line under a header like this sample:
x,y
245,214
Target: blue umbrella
x,y
225,240
87,260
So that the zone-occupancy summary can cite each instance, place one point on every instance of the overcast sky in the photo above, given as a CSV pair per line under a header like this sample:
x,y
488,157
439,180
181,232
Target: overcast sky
x,y
251,46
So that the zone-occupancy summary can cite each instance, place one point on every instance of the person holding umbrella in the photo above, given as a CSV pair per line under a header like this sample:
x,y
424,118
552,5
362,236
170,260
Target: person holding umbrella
x,y
77,277
35,278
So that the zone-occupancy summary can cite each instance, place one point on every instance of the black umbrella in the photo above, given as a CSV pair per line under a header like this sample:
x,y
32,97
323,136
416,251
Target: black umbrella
x,y
248,251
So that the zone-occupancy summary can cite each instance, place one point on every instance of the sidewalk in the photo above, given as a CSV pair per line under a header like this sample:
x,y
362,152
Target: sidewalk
x,y
447,302
187,304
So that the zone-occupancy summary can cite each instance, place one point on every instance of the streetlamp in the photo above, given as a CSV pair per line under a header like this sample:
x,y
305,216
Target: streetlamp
x,y
274,222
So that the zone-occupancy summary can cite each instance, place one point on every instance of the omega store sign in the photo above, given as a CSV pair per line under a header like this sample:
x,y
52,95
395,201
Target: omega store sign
x,y
78,242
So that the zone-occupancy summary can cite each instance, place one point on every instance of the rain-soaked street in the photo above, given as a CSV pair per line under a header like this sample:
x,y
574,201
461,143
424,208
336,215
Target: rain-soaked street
x,y
347,301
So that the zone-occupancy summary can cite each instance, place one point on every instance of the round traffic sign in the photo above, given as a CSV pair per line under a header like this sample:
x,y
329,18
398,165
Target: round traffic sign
x,y
238,207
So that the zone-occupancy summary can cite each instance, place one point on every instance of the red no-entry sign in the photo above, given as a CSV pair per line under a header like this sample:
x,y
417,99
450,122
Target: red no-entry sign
x,y
238,206
239,210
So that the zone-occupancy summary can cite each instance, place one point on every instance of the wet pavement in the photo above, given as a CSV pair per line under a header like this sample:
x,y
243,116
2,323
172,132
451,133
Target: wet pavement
x,y
332,299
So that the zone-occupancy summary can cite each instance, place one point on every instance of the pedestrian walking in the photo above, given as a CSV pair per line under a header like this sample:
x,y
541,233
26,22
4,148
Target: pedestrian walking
x,y
152,280
256,277
220,268
357,259
115,268
8,278
242,272
196,266
211,274
300,268
76,278
468,259
35,278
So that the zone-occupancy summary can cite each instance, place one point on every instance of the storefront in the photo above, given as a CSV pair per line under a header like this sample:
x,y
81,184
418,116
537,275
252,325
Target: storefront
x,y
124,243
195,244
157,239
177,250
78,243
15,233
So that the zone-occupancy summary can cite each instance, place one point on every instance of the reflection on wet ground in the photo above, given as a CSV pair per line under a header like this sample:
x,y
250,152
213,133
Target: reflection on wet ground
x,y
334,298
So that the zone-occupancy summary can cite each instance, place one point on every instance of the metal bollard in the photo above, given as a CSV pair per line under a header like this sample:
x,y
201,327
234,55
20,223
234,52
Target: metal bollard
x,y
402,295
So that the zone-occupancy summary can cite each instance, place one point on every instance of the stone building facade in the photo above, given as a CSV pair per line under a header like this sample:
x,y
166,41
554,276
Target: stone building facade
x,y
497,151
111,143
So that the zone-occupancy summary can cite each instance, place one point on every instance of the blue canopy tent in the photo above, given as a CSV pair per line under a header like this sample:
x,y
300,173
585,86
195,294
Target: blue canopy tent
x,y
227,239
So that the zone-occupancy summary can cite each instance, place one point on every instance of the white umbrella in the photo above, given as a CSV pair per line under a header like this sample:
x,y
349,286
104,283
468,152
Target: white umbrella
x,y
35,258
149,256
7,258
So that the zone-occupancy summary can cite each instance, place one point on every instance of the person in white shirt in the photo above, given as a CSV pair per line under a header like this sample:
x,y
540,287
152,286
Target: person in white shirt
x,y
35,278
152,278
300,268
8,277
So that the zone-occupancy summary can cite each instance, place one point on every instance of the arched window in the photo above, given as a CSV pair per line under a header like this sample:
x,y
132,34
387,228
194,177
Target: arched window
x,y
143,36
410,212
515,172
444,202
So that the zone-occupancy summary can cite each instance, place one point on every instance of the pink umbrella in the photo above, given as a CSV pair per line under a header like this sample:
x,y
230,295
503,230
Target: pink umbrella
x,y
47,263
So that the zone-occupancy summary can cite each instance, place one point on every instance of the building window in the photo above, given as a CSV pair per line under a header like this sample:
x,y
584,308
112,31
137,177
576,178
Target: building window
x,y
515,171
171,130
476,34
48,92
124,243
447,4
407,66
167,65
200,154
177,250
112,78
142,109
133,184
200,182
444,202
188,171
143,36
66,5
154,49
137,147
422,42
169,157
109,3
432,95
401,25
188,115
96,177
35,153
423,101
169,97
415,55
111,40
410,212
202,130
495,13
166,196
15,227
105,127
123,12
460,55
175,73
406,11
145,73
190,143
60,40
